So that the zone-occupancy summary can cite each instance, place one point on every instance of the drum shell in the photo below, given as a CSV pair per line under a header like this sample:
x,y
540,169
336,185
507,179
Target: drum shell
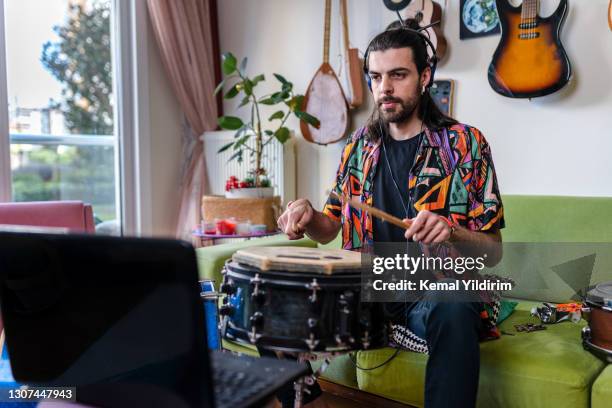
x,y
292,313
210,299
600,323
599,315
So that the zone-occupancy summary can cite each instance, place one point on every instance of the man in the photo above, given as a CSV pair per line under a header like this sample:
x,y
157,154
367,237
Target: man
x,y
414,162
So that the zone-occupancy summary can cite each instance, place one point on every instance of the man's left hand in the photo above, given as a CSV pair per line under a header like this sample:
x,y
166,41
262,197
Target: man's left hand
x,y
428,228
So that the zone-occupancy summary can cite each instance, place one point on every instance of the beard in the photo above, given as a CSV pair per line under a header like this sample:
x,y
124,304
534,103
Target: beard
x,y
402,110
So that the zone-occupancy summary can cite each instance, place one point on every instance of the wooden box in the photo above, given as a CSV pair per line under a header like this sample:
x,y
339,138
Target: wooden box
x,y
257,210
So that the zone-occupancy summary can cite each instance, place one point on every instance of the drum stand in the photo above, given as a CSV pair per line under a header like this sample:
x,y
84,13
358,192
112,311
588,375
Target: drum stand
x,y
300,385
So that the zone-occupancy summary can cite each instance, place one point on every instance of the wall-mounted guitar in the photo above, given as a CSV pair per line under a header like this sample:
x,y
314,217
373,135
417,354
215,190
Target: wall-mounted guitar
x,y
610,15
426,12
530,60
325,99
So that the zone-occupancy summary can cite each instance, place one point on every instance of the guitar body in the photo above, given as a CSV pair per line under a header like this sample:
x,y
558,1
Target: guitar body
x,y
355,72
353,64
325,100
426,12
529,62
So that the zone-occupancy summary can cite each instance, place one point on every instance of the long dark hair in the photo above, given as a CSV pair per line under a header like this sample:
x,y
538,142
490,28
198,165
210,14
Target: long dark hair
x,y
396,36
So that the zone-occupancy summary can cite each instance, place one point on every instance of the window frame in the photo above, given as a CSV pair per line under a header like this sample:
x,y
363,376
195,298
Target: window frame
x,y
129,37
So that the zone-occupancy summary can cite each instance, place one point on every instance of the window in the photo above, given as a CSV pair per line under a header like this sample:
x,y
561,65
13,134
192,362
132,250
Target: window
x,y
74,106
60,103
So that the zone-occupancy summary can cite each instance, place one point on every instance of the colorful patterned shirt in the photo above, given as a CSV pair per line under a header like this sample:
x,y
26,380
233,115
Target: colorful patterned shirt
x,y
453,175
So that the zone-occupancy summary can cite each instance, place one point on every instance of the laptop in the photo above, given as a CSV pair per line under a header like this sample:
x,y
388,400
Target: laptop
x,y
121,320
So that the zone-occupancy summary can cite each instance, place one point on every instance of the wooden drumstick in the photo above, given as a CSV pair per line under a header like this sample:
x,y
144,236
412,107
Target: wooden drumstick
x,y
372,210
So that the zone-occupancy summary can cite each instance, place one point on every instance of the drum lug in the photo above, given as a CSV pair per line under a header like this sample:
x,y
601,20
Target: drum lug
x,y
342,343
312,327
314,286
253,335
226,310
258,297
228,287
586,333
311,342
339,341
367,291
256,321
365,340
255,282
586,313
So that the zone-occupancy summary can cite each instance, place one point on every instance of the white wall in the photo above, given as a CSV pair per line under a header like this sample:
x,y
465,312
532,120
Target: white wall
x,y
552,145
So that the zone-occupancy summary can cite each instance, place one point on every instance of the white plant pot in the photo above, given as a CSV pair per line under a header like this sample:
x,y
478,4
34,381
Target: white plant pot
x,y
254,192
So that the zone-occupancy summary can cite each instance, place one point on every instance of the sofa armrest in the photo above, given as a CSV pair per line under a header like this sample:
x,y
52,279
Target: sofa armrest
x,y
211,259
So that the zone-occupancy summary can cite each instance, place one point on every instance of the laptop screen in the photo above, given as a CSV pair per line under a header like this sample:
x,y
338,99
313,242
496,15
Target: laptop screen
x,y
85,310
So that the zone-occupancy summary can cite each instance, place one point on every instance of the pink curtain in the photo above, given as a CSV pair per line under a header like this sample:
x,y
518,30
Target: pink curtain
x,y
185,38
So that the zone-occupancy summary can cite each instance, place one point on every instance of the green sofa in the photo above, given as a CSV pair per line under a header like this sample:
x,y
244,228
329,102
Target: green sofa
x,y
543,369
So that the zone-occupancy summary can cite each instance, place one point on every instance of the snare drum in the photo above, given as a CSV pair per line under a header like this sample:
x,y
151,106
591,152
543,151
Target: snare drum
x,y
299,300
597,336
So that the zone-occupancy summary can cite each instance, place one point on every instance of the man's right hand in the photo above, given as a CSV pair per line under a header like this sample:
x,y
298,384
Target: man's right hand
x,y
295,219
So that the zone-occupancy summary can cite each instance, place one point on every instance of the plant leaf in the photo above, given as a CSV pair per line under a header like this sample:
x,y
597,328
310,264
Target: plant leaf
x,y
245,100
237,155
306,117
267,101
225,147
288,87
232,92
230,122
241,131
229,63
281,79
258,79
243,65
219,87
248,87
295,103
241,142
282,134
268,132
277,115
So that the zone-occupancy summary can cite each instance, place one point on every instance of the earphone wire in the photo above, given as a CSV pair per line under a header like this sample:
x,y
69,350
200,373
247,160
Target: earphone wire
x,y
383,135
432,62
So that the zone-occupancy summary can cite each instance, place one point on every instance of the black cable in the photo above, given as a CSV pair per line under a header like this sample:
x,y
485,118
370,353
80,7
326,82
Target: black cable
x,y
354,361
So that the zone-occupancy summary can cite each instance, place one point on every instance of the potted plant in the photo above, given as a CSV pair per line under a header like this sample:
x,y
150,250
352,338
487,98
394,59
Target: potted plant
x,y
240,84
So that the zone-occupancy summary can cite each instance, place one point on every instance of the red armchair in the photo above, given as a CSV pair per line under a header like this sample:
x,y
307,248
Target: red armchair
x,y
74,215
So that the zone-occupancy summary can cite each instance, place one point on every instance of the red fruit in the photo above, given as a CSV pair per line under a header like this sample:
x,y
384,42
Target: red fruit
x,y
244,184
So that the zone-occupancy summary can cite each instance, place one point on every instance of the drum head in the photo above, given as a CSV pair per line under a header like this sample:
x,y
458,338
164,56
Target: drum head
x,y
300,259
600,295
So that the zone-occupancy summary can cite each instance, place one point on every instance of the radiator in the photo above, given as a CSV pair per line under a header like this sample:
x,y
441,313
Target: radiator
x,y
278,159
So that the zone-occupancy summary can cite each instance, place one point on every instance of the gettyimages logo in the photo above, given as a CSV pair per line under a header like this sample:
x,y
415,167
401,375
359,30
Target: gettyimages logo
x,y
411,264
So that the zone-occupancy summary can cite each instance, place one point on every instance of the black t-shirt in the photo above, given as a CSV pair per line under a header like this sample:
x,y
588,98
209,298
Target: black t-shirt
x,y
400,157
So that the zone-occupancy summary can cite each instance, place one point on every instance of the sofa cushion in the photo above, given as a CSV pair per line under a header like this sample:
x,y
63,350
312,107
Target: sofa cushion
x,y
340,371
601,396
557,219
543,369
